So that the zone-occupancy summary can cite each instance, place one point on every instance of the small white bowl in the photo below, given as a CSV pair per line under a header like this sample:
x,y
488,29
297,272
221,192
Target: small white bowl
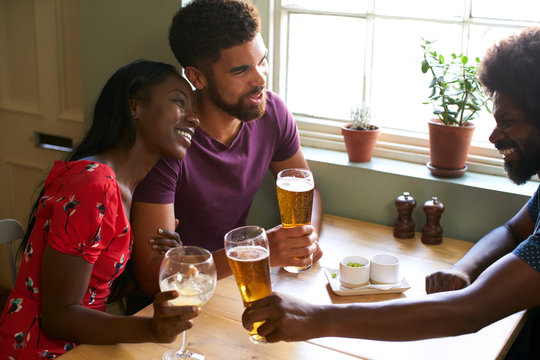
x,y
384,269
354,276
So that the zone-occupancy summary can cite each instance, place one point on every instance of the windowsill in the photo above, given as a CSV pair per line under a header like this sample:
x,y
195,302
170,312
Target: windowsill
x,y
395,167
474,203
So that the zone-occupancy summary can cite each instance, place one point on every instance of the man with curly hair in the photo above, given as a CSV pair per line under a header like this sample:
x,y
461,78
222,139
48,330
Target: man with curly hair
x,y
245,130
499,276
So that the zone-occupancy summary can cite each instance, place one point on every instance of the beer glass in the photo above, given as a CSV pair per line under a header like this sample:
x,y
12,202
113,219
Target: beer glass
x,y
295,199
249,257
191,271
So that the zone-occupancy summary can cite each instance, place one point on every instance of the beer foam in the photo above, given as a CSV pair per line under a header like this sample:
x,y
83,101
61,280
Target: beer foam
x,y
248,253
295,184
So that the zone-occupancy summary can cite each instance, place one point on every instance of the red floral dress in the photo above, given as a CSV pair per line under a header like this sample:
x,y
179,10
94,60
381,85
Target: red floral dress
x,y
80,213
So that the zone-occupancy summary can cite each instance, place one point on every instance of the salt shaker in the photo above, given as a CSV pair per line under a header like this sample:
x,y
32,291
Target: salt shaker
x,y
404,225
432,231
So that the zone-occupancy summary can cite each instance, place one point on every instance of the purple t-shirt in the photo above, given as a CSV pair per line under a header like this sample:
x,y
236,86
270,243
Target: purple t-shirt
x,y
213,187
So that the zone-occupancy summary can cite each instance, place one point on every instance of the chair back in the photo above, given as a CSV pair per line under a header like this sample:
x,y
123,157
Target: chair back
x,y
11,230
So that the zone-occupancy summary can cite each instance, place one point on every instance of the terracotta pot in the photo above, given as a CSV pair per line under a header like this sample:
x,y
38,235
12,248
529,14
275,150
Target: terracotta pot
x,y
449,146
359,143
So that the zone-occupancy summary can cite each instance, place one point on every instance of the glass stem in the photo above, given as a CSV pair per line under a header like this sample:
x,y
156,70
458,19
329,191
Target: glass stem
x,y
183,349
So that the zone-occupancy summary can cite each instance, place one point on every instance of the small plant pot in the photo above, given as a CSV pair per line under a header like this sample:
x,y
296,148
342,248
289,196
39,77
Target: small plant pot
x,y
360,144
449,146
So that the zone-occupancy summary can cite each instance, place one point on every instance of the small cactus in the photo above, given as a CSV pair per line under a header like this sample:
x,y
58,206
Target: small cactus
x,y
361,117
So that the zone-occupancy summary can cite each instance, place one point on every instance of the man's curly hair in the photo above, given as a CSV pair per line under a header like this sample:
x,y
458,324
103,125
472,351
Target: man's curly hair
x,y
512,67
202,28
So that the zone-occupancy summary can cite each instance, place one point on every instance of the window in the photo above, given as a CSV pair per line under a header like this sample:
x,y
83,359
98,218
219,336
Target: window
x,y
332,55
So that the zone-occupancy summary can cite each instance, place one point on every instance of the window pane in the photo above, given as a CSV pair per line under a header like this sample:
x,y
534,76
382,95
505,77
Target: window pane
x,y
350,6
528,10
322,78
325,76
399,88
441,9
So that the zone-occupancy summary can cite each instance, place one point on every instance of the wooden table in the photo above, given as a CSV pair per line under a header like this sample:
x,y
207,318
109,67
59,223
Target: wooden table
x,y
218,332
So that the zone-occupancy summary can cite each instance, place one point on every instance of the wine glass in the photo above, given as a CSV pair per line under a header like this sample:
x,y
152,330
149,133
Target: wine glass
x,y
191,271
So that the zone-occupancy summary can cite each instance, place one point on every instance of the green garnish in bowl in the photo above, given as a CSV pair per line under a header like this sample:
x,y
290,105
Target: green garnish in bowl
x,y
351,264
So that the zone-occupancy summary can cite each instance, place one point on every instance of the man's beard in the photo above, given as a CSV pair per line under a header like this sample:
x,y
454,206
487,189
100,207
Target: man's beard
x,y
239,110
528,163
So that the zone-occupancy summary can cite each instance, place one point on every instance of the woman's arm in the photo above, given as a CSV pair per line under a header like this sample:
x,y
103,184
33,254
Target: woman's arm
x,y
64,280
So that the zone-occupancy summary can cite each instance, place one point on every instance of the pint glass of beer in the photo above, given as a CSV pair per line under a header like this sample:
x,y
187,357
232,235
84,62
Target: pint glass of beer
x,y
295,198
249,257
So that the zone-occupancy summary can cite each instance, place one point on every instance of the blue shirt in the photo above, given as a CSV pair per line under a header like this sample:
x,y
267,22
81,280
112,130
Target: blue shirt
x,y
529,249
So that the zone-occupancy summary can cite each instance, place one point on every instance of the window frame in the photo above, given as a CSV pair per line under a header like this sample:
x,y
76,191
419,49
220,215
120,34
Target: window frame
x,y
393,144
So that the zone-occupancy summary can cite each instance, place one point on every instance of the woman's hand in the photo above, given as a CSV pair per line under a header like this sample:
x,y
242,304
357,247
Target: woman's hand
x,y
169,320
166,239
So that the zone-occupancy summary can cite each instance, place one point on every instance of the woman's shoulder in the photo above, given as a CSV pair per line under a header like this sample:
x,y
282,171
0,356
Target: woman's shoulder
x,y
84,168
81,174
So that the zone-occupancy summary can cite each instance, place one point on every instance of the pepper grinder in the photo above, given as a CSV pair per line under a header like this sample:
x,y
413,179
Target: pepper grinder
x,y
432,231
404,225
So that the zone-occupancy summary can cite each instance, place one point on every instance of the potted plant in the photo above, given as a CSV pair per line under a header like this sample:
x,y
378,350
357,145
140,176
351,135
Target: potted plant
x,y
456,96
359,135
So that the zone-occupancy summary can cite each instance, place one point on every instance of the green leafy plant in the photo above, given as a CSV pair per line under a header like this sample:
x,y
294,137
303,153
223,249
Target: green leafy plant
x,y
361,118
456,92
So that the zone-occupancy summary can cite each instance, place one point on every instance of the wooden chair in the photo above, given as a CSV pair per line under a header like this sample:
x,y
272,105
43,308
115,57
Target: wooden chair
x,y
11,230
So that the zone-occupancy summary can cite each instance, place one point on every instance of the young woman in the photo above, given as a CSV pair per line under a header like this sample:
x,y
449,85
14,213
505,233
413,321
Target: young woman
x,y
79,237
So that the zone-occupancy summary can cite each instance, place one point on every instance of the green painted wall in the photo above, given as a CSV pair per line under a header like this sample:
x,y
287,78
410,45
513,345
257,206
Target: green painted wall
x,y
114,33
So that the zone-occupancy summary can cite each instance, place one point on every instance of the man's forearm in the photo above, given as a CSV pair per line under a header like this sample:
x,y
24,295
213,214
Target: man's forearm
x,y
486,251
433,316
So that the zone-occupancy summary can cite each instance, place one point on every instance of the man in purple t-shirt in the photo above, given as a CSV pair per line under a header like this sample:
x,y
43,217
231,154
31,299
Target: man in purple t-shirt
x,y
244,131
